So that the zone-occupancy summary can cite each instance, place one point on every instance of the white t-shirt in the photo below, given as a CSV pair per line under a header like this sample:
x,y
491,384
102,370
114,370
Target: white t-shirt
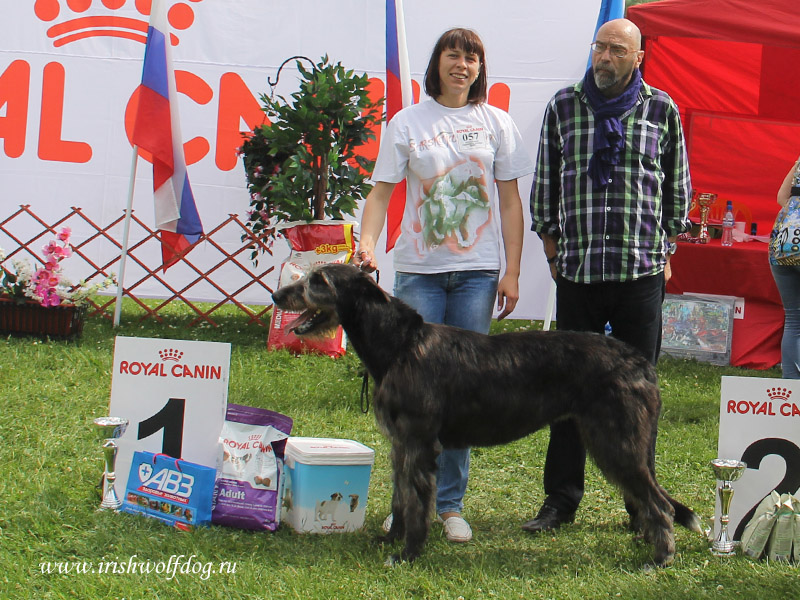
x,y
450,158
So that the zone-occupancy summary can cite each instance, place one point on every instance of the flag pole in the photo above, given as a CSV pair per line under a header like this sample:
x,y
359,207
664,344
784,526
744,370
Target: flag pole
x,y
125,230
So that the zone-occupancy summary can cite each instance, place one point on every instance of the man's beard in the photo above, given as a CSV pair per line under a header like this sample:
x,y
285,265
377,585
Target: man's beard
x,y
604,80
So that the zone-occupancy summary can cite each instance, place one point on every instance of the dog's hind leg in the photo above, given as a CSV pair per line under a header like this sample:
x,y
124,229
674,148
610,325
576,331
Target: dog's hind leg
x,y
626,464
652,513
412,502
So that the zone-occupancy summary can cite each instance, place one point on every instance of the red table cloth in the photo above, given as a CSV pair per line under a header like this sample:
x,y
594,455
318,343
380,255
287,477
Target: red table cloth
x,y
740,270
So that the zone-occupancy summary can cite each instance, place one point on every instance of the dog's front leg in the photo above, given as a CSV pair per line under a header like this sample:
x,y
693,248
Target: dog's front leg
x,y
415,482
397,529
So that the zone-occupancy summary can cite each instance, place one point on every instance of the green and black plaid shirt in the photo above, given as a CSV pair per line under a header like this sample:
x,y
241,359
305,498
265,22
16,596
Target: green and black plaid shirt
x,y
619,233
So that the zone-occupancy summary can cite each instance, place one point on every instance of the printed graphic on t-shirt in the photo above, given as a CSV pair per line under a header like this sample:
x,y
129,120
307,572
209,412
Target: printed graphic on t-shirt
x,y
454,207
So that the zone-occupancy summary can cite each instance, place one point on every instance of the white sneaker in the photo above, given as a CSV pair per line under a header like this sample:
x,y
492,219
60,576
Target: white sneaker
x,y
387,523
456,529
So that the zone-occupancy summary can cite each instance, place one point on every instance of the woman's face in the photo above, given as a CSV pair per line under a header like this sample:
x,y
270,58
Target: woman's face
x,y
458,70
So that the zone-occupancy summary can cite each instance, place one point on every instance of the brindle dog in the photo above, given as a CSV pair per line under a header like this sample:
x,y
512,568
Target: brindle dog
x,y
438,386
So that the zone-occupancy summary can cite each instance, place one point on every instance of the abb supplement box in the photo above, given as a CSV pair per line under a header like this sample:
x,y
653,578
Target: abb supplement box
x,y
326,484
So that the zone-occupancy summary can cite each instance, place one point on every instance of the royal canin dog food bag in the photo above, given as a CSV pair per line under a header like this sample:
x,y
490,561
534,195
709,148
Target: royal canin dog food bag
x,y
312,244
249,483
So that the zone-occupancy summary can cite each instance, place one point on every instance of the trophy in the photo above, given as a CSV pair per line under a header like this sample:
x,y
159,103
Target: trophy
x,y
726,471
109,429
705,201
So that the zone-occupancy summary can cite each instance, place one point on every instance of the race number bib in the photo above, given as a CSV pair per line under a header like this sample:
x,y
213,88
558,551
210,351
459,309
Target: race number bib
x,y
471,139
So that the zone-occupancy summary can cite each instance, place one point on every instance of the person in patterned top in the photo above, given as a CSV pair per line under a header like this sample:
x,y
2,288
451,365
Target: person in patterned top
x,y
610,194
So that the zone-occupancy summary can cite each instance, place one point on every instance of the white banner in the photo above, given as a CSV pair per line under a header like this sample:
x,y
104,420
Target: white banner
x,y
68,70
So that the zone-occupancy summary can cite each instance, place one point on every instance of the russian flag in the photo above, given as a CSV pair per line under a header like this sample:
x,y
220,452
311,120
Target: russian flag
x,y
157,130
398,95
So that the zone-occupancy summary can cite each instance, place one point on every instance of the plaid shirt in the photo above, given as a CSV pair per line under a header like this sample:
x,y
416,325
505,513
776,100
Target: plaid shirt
x,y
620,233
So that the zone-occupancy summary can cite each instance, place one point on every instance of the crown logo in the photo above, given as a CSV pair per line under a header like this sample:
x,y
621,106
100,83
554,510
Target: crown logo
x,y
170,354
72,29
778,393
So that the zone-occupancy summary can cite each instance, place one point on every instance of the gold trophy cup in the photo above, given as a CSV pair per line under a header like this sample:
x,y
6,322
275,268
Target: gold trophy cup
x,y
705,201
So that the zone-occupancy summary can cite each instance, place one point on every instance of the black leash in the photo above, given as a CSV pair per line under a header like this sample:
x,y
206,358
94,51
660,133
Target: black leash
x,y
365,393
365,381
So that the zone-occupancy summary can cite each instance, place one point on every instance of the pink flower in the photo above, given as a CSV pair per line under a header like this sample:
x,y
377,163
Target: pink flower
x,y
51,248
64,234
51,299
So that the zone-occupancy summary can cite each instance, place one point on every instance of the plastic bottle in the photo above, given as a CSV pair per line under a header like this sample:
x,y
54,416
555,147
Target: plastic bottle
x,y
727,225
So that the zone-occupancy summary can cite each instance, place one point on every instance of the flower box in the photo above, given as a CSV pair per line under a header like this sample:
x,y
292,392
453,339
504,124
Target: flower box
x,y
31,318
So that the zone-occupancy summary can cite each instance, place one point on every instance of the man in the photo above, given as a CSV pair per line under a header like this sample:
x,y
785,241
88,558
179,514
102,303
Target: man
x,y
610,194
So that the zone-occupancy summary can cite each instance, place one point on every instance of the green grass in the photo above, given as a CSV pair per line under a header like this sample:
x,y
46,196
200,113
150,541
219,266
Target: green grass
x,y
50,464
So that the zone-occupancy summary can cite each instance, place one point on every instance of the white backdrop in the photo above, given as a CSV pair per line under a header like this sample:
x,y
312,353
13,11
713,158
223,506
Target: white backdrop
x,y
535,47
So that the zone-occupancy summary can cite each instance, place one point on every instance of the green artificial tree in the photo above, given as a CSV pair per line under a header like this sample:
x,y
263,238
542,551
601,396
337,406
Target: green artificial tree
x,y
302,165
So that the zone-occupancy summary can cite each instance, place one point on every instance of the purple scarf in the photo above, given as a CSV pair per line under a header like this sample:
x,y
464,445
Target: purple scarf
x,y
608,142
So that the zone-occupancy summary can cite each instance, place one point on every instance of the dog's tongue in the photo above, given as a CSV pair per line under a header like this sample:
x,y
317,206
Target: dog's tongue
x,y
302,322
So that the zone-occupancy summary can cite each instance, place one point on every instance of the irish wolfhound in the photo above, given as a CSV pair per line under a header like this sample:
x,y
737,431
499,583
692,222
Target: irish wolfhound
x,y
438,386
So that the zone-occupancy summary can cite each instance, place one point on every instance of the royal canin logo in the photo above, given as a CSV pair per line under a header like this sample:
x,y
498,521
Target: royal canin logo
x,y
170,354
68,28
778,393
143,368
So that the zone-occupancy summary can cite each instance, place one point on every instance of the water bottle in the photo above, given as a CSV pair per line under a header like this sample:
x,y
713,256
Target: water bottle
x,y
727,225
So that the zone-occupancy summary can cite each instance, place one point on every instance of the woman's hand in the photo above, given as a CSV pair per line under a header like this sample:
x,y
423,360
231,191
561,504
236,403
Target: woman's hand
x,y
372,219
507,295
365,260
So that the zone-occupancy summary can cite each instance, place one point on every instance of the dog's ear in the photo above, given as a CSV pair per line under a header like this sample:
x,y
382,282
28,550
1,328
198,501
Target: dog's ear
x,y
320,289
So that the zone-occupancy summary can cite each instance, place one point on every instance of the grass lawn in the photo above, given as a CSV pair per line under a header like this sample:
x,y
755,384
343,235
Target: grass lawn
x,y
51,463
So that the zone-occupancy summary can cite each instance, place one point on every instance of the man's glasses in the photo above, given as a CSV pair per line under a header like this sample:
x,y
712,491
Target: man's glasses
x,y
618,51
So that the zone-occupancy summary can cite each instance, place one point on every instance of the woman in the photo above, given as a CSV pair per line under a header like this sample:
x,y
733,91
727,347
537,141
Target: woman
x,y
787,279
452,149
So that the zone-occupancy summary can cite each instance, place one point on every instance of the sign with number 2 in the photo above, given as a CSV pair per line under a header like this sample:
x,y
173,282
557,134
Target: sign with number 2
x,y
174,394
759,424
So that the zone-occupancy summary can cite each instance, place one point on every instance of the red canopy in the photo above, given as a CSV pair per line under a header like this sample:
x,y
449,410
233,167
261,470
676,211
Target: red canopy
x,y
730,65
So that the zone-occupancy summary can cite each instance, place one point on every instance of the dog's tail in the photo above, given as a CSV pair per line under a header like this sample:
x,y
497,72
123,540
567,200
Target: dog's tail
x,y
685,516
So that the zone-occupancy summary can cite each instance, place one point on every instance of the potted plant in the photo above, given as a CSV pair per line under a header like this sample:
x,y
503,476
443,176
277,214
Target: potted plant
x,y
302,165
304,177
43,301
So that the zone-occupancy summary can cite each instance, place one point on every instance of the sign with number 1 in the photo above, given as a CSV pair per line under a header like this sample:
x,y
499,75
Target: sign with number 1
x,y
174,394
759,424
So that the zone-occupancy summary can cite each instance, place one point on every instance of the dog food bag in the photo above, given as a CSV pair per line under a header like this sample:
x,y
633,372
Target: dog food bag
x,y
249,480
312,244
779,546
756,533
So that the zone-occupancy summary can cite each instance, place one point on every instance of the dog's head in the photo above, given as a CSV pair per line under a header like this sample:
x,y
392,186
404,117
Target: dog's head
x,y
315,297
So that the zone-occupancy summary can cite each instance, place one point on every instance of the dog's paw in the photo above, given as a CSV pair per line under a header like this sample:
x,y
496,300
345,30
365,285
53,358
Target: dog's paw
x,y
392,561
397,559
657,564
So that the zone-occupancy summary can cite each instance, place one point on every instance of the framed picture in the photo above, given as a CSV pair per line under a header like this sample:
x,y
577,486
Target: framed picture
x,y
698,327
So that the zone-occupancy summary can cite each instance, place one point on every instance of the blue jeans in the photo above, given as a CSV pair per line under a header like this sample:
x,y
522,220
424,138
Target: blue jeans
x,y
787,278
462,299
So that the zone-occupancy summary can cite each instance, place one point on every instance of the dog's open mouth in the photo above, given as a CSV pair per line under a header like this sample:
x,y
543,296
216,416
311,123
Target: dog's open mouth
x,y
308,322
